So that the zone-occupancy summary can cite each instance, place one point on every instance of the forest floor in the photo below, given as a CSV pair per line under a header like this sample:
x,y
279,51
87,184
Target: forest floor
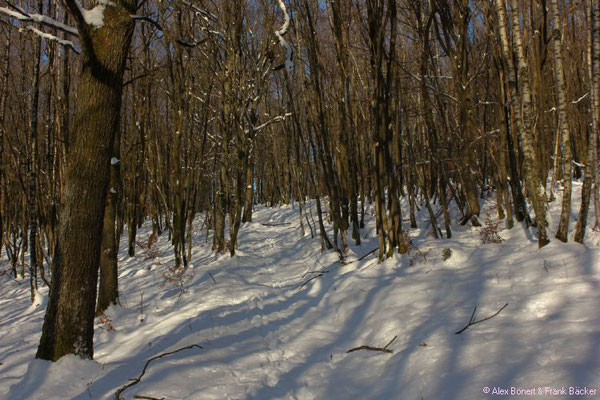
x,y
277,320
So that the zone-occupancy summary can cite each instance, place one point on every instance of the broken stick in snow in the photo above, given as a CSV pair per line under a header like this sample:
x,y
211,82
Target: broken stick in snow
x,y
315,272
383,349
314,277
137,380
275,223
473,322
361,257
212,277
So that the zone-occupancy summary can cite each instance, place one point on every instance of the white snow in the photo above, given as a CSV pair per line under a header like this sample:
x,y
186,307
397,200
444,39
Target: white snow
x,y
266,337
114,161
581,98
53,38
95,16
280,33
42,19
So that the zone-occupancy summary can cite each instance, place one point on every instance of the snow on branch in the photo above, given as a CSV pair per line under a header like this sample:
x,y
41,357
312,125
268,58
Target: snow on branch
x,y
278,118
52,38
581,98
284,43
23,16
205,14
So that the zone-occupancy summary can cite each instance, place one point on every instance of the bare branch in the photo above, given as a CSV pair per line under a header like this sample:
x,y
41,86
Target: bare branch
x,y
52,38
207,15
185,43
310,279
75,10
278,118
473,322
137,380
383,349
22,16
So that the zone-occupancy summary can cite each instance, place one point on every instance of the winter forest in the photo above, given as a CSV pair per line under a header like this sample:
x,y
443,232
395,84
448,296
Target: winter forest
x,y
294,199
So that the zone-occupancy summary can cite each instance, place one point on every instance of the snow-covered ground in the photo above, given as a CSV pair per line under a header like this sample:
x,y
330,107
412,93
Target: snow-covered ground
x,y
265,335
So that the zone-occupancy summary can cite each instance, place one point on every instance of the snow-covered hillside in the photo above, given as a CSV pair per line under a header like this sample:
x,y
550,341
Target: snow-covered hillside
x,y
268,330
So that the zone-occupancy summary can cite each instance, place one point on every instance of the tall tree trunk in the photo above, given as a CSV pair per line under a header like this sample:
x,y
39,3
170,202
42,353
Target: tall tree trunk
x,y
249,192
563,124
33,165
523,112
69,322
3,98
591,161
108,289
595,133
377,21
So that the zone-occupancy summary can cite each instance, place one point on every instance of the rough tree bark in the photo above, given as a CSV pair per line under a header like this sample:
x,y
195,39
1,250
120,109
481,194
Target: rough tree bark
x,y
69,322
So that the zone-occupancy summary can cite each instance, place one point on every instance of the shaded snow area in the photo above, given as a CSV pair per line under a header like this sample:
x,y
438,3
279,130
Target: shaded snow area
x,y
265,335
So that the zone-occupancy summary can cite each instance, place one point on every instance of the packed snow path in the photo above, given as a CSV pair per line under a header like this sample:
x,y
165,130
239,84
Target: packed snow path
x,y
265,336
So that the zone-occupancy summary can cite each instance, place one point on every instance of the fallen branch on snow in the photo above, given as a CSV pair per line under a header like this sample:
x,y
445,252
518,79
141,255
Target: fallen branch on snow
x,y
275,223
310,279
315,272
137,380
383,349
368,254
212,277
473,322
361,257
324,271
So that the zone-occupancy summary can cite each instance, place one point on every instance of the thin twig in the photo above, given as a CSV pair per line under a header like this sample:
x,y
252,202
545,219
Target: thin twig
x,y
368,254
212,277
315,272
137,380
314,277
362,257
390,342
473,322
383,349
370,348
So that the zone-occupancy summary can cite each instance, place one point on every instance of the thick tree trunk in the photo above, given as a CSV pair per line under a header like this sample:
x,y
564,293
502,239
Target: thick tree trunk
x,y
69,322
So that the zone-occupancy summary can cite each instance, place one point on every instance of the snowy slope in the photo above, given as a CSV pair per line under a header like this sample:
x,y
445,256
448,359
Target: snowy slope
x,y
265,337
